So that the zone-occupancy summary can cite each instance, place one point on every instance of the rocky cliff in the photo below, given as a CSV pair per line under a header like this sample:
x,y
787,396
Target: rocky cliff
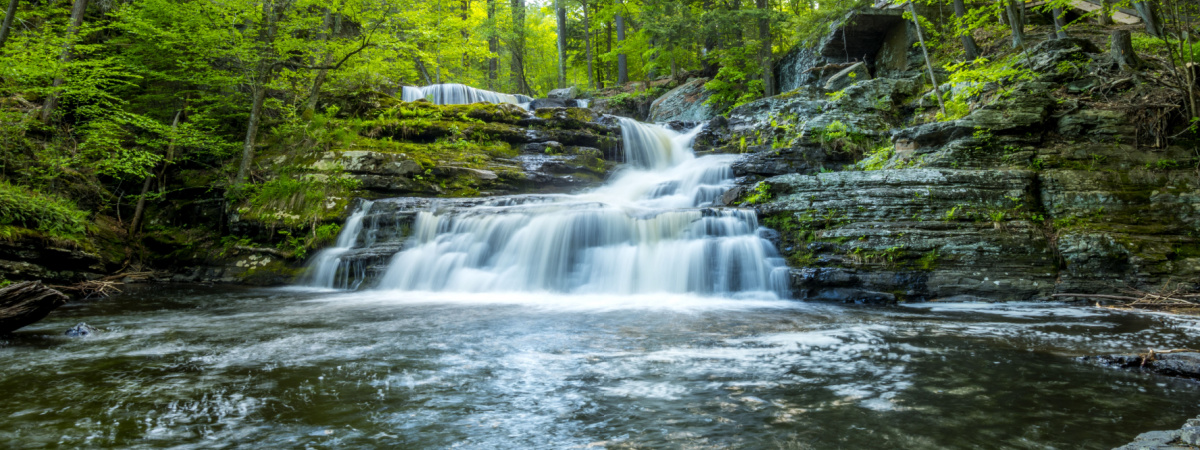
x,y
1059,181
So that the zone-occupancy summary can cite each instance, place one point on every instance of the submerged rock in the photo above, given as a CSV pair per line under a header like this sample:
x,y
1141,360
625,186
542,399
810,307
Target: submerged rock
x,y
82,330
1182,365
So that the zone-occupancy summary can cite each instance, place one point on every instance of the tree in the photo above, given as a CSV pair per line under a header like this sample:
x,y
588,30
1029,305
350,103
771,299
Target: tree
x,y
561,14
1150,17
77,11
493,45
1060,31
928,62
8,20
587,42
764,52
517,48
622,62
1016,22
969,46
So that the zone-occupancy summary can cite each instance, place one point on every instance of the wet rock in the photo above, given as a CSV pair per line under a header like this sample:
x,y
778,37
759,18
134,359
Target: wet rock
x,y
1182,365
687,102
548,103
1187,437
800,159
907,232
569,93
82,330
846,77
548,147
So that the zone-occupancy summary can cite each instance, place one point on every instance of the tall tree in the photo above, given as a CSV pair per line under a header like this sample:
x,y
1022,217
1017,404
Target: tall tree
x,y
1060,26
561,12
1150,17
1016,22
969,46
493,46
764,51
517,50
332,27
1105,15
77,11
8,20
622,63
587,44
928,62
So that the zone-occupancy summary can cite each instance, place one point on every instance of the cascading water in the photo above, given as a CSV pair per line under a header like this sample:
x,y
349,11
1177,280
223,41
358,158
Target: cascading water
x,y
651,229
326,264
458,94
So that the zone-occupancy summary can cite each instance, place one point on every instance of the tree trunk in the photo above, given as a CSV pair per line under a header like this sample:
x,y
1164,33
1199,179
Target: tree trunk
x,y
622,63
259,94
928,63
1150,17
334,25
518,48
1015,24
493,45
1121,49
466,35
764,50
587,44
8,20
969,46
140,210
1105,17
1060,30
561,11
22,304
77,12
421,69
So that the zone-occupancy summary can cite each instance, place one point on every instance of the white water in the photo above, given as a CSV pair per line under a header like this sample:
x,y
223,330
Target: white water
x,y
325,264
650,230
458,94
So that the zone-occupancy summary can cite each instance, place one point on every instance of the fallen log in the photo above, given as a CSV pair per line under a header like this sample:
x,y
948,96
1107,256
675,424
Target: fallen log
x,y
22,304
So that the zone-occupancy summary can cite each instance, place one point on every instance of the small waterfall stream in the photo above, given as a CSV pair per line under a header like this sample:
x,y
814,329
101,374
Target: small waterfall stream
x,y
458,94
651,229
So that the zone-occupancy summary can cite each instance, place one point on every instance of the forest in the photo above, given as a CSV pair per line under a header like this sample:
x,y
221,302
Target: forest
x,y
114,110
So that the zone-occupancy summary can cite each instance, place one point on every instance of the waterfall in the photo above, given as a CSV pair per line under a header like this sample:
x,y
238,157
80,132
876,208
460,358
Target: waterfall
x,y
324,268
458,94
651,229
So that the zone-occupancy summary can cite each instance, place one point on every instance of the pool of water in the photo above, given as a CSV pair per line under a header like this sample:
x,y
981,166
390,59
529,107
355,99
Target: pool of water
x,y
201,367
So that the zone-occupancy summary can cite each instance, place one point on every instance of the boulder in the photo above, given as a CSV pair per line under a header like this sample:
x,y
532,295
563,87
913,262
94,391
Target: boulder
x,y
548,103
684,103
569,93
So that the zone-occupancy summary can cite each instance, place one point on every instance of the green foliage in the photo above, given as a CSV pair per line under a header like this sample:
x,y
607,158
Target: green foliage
x,y
760,195
55,217
973,78
737,81
837,136
876,159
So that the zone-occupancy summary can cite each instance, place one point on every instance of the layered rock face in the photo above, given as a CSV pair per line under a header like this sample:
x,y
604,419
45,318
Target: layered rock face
x,y
1034,191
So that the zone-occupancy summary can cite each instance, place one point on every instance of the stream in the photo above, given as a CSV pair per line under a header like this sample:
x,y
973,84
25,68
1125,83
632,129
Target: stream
x,y
205,367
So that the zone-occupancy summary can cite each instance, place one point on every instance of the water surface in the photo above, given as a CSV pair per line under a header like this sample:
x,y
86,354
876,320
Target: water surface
x,y
203,367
